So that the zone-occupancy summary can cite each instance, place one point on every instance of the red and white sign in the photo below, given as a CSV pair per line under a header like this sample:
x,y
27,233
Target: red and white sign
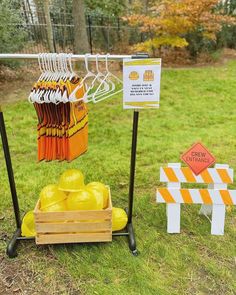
x,y
198,158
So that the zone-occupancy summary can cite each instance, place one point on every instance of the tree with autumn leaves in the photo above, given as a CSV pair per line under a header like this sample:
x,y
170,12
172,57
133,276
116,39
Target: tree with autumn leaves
x,y
180,23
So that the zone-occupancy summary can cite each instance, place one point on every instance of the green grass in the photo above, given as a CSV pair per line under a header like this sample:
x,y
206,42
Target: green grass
x,y
196,105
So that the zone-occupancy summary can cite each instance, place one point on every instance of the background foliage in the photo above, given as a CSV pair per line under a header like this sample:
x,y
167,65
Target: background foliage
x,y
11,37
156,26
185,23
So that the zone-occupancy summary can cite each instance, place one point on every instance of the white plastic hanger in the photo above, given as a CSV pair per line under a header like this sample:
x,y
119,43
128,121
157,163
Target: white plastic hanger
x,y
32,93
39,92
46,93
42,94
64,95
60,78
108,78
83,82
61,56
98,79
57,95
72,73
67,71
56,78
42,66
49,92
105,79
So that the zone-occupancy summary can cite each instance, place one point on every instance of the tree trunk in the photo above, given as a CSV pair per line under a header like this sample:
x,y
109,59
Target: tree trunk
x,y
25,13
81,44
64,27
48,26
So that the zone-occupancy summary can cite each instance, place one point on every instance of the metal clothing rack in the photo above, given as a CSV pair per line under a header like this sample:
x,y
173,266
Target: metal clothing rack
x,y
128,231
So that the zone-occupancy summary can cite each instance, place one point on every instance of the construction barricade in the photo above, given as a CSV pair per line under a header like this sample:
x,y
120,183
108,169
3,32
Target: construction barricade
x,y
215,197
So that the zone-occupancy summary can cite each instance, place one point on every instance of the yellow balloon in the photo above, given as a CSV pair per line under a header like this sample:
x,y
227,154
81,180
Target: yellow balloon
x,y
83,199
58,207
28,225
102,188
50,195
71,180
119,219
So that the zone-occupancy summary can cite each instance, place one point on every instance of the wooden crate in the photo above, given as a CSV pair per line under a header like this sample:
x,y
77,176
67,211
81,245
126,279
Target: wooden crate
x,y
73,226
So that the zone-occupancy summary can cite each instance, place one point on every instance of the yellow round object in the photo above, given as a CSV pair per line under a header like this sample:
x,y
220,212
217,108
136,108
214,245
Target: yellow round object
x,y
99,196
28,225
102,188
83,199
133,75
50,195
58,207
119,219
71,180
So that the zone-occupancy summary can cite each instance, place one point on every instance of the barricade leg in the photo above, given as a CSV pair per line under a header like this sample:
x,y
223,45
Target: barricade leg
x,y
207,209
218,220
173,218
173,209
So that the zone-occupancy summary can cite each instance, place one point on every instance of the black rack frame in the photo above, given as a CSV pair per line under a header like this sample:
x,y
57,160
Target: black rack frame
x,y
128,231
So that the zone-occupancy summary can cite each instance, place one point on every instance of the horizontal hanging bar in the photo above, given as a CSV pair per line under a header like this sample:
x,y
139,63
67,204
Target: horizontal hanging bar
x,y
74,56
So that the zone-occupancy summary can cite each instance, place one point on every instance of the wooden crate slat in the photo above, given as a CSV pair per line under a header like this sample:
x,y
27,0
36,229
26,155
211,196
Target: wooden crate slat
x,y
68,227
42,239
72,215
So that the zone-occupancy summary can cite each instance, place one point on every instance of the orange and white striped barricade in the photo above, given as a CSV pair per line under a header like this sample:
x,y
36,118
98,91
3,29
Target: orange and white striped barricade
x,y
217,196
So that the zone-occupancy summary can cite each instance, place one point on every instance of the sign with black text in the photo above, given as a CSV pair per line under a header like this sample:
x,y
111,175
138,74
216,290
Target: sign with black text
x,y
141,82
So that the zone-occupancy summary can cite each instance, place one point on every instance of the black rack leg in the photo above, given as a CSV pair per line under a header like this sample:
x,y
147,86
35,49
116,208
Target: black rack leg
x,y
11,248
12,245
132,242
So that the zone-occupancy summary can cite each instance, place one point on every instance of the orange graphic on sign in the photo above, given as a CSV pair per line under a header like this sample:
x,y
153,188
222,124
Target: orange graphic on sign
x,y
198,158
148,75
133,75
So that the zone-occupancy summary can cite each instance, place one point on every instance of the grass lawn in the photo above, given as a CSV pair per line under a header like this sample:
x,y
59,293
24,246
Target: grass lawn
x,y
196,105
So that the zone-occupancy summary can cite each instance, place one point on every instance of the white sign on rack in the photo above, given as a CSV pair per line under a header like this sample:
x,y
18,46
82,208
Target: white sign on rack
x,y
141,82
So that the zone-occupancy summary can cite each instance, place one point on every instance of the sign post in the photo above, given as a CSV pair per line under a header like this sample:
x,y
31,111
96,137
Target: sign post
x,y
141,89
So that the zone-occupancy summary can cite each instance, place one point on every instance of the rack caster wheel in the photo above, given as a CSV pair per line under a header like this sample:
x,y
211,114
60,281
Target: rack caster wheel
x,y
11,253
135,252
12,245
